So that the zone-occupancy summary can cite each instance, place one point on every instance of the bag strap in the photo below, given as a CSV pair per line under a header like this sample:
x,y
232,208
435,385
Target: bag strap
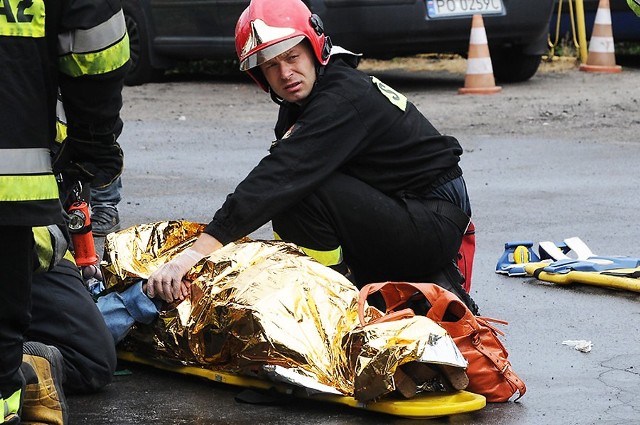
x,y
394,294
405,313
486,322
398,293
504,366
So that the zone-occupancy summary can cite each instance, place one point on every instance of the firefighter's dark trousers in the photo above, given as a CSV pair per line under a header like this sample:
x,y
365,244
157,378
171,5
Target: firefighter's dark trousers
x,y
64,315
16,265
381,238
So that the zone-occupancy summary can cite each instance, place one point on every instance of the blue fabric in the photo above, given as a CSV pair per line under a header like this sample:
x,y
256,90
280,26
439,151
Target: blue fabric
x,y
122,309
454,191
110,195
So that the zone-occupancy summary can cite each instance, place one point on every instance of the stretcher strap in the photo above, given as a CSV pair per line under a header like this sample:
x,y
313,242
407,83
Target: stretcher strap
x,y
634,274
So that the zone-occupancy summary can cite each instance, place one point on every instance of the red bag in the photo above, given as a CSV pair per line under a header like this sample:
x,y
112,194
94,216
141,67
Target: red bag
x,y
466,254
489,371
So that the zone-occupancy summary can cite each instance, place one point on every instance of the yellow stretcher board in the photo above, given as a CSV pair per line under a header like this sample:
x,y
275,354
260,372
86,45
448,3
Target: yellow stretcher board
x,y
422,406
614,278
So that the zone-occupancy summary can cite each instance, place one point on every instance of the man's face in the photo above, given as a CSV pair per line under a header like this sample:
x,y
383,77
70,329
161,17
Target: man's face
x,y
291,74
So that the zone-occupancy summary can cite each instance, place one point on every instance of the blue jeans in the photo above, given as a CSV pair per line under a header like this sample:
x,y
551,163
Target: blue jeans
x,y
121,310
109,196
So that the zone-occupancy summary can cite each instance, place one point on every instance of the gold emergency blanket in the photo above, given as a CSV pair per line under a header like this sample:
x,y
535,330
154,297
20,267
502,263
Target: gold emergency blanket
x,y
265,308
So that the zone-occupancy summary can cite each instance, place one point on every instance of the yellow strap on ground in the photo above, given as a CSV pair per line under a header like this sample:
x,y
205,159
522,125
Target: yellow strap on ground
x,y
423,406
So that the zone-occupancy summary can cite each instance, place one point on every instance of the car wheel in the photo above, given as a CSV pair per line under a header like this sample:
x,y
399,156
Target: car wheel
x,y
510,65
140,69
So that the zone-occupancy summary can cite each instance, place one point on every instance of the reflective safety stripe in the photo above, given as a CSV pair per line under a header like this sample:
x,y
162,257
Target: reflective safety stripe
x,y
69,256
112,58
60,245
61,123
61,132
44,248
60,112
12,403
398,99
22,18
28,188
25,161
93,39
51,246
326,258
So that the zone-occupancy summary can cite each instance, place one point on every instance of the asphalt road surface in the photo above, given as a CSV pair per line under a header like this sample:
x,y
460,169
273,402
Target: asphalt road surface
x,y
549,159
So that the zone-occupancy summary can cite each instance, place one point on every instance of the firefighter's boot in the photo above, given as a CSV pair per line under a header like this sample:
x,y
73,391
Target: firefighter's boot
x,y
44,401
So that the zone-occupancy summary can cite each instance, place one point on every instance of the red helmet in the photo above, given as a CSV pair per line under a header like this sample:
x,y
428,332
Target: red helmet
x,y
268,28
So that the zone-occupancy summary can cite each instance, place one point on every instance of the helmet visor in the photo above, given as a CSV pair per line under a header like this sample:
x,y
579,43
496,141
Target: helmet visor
x,y
269,52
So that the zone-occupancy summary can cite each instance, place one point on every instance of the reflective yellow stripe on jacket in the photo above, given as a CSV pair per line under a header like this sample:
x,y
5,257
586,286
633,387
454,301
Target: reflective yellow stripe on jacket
x,y
51,247
28,188
22,18
326,258
25,175
96,50
61,122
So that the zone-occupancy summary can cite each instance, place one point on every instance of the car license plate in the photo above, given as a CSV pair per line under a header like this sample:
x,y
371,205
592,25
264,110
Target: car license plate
x,y
455,8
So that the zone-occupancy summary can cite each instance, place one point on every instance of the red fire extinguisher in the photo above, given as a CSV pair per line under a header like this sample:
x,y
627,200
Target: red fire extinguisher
x,y
81,234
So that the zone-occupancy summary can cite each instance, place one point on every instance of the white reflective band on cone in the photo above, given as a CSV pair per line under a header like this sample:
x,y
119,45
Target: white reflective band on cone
x,y
603,17
478,36
479,66
601,45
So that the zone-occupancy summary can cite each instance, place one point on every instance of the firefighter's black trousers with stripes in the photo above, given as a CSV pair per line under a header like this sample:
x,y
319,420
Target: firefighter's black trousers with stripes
x,y
382,238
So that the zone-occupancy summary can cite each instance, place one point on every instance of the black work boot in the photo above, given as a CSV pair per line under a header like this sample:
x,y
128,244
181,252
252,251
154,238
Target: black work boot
x,y
44,401
451,279
104,220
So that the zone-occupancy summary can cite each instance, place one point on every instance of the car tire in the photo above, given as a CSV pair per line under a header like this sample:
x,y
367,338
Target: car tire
x,y
140,69
511,65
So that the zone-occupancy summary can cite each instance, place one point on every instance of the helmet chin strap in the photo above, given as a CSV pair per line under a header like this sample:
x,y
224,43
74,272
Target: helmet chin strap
x,y
277,99
319,71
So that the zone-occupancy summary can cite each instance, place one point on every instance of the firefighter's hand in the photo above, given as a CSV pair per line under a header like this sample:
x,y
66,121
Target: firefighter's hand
x,y
167,282
98,162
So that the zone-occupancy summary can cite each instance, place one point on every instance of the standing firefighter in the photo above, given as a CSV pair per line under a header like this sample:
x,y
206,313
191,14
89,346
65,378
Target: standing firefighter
x,y
357,176
79,47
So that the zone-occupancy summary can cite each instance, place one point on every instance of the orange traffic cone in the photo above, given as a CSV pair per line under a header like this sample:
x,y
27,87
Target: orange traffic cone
x,y
479,78
601,56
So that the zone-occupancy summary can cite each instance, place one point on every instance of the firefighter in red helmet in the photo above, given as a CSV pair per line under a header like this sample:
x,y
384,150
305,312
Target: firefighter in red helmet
x,y
357,177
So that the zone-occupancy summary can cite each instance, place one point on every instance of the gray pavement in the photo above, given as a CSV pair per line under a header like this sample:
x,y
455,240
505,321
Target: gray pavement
x,y
182,160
